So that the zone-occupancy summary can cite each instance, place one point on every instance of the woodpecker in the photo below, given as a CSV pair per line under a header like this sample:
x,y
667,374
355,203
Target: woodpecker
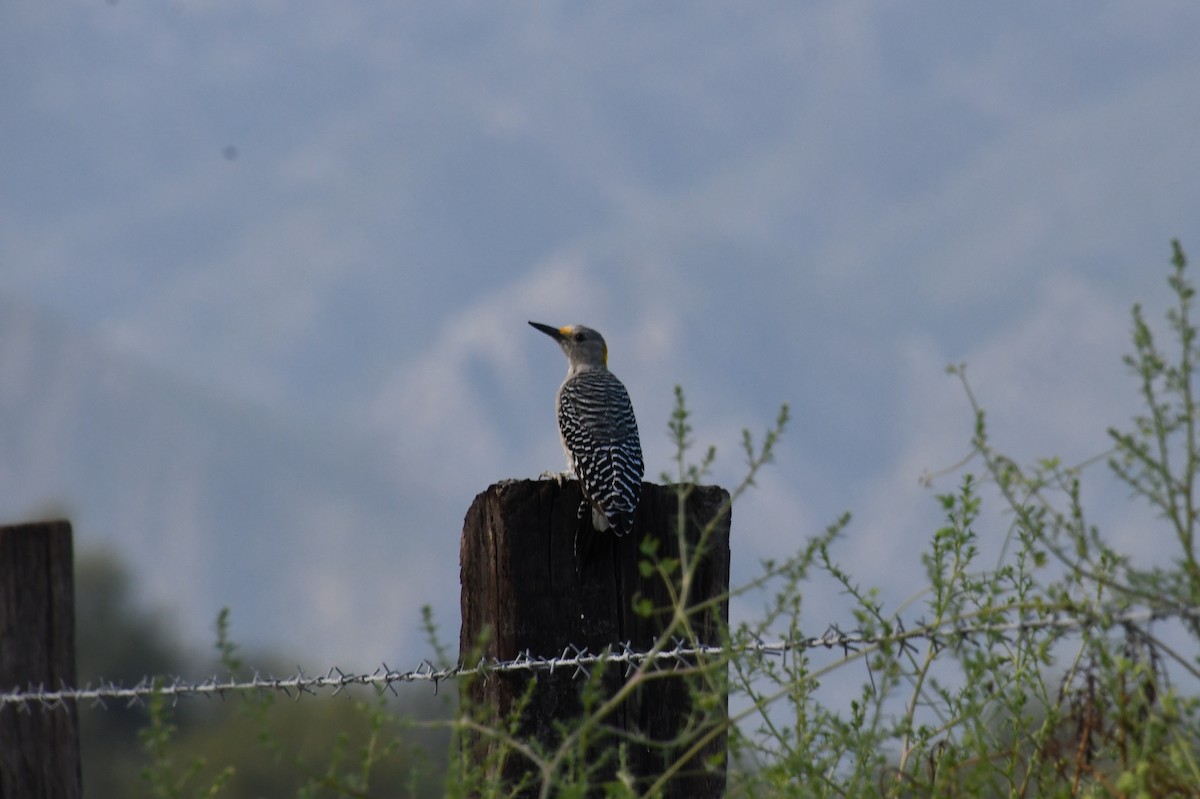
x,y
598,430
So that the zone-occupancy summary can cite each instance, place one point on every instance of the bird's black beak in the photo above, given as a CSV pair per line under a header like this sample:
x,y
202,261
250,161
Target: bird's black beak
x,y
552,332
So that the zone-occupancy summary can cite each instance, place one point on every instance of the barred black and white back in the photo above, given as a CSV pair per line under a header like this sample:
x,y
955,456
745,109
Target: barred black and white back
x,y
600,435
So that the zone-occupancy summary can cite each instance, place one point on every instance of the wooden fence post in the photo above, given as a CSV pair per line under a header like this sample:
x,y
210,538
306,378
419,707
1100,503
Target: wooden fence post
x,y
538,579
39,746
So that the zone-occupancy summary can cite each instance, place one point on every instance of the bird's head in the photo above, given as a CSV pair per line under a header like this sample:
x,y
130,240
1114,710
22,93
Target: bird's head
x,y
585,348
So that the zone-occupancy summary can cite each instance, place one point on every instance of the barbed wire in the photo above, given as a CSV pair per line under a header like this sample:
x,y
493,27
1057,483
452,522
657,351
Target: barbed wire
x,y
581,661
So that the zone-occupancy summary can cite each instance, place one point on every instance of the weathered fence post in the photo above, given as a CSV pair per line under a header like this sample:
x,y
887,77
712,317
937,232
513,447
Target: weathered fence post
x,y
39,746
539,580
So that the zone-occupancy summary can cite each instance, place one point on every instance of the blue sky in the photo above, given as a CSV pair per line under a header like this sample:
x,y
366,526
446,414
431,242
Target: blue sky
x,y
303,239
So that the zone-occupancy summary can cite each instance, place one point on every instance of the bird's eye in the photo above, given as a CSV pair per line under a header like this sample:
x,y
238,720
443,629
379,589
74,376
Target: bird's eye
x,y
579,337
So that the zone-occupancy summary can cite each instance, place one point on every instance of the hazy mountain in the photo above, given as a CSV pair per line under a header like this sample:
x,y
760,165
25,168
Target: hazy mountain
x,y
310,540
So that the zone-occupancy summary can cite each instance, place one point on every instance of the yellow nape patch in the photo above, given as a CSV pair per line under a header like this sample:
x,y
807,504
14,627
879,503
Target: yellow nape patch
x,y
606,355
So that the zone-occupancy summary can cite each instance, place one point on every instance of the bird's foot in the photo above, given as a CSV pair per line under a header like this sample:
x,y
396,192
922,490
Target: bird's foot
x,y
600,522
